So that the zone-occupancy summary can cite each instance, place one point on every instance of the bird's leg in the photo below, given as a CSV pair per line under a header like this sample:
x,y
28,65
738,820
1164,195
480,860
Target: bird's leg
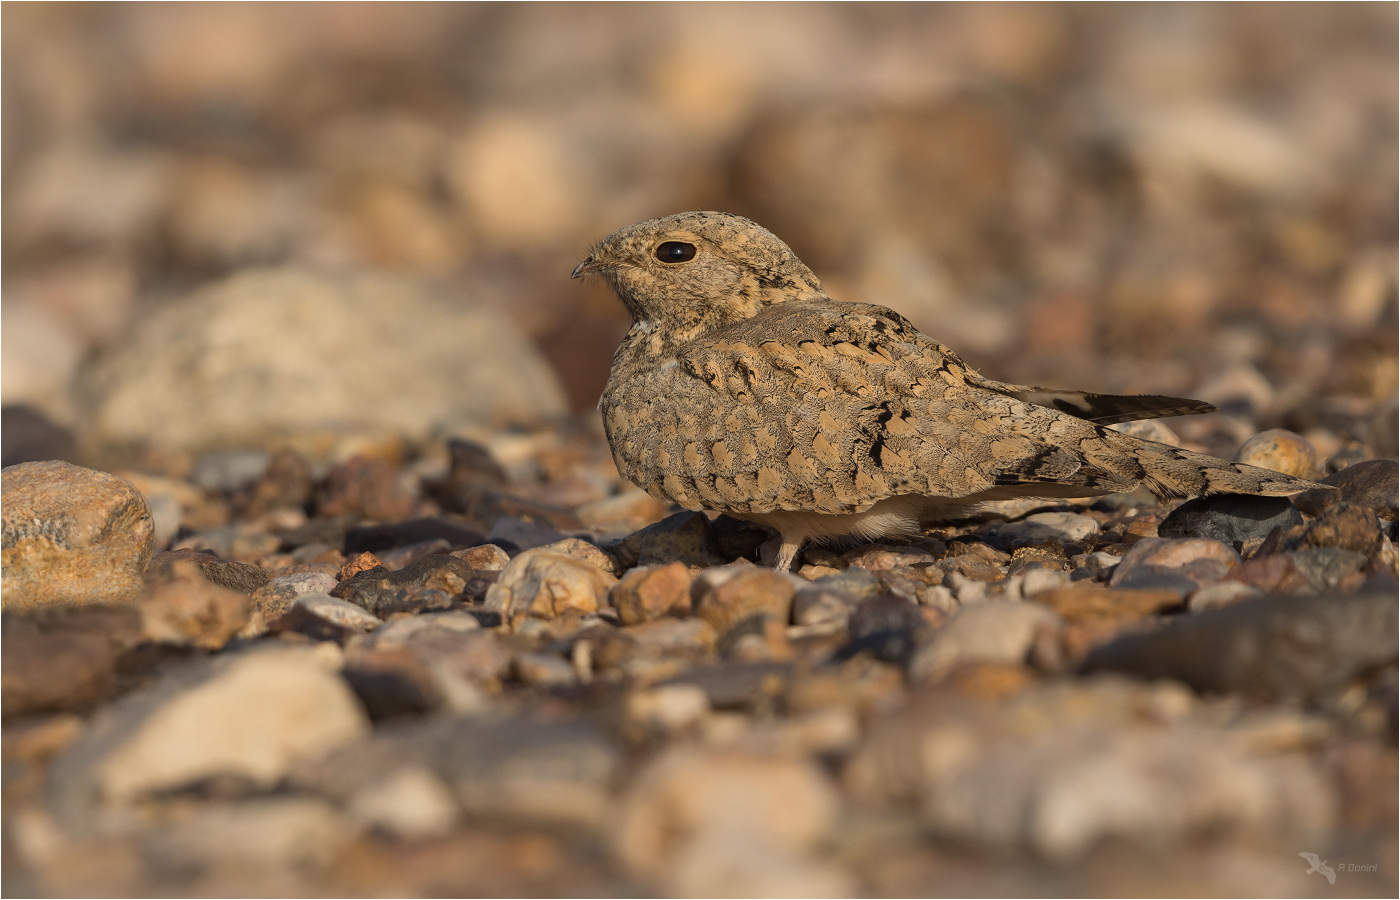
x,y
779,551
787,554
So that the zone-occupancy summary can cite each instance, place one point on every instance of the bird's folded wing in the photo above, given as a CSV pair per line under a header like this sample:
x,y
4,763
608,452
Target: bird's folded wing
x,y
1101,409
848,405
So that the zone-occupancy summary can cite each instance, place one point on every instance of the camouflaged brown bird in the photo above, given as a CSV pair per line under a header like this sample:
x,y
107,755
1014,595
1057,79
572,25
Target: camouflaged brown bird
x,y
743,388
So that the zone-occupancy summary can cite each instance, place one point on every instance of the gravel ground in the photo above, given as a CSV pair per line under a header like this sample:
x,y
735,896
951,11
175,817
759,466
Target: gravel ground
x,y
319,579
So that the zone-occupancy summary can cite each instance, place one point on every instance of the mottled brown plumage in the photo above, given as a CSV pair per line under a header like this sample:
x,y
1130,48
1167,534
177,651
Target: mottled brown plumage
x,y
742,387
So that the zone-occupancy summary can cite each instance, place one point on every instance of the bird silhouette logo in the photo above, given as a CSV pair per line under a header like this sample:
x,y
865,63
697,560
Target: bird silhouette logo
x,y
1319,865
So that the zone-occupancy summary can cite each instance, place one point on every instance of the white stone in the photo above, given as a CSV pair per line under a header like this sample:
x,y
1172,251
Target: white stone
x,y
994,631
411,803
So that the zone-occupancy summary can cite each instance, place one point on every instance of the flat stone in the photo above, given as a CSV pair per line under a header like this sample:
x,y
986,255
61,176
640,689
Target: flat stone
x,y
670,635
738,685
857,582
405,629
492,506
499,769
543,669
71,536
1230,518
881,557
517,534
1372,484
632,508
1277,648
393,679
249,715
305,582
226,471
1065,794
542,771
668,708
453,659
1274,574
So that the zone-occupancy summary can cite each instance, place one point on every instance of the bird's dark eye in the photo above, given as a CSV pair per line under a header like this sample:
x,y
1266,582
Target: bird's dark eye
x,y
675,252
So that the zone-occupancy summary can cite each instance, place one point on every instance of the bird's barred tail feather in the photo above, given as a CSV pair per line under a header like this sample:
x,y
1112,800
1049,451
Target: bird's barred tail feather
x,y
1173,472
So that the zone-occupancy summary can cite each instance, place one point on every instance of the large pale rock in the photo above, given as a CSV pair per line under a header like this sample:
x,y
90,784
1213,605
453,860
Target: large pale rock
x,y
274,352
71,535
249,716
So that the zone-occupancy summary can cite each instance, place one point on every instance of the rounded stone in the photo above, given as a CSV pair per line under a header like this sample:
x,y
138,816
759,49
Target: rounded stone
x,y
545,583
1280,450
994,631
651,592
724,596
71,536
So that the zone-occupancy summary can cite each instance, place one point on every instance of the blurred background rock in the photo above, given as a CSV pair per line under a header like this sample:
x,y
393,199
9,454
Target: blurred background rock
x,y
1191,199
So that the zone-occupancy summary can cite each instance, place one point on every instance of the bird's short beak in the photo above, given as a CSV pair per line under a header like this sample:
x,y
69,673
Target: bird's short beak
x,y
588,265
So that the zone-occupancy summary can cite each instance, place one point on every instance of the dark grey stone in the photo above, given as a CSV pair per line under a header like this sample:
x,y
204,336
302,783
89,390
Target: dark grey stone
x,y
1230,518
1272,648
1373,484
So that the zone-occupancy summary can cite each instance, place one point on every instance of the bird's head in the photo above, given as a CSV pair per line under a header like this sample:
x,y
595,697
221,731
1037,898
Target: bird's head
x,y
693,271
